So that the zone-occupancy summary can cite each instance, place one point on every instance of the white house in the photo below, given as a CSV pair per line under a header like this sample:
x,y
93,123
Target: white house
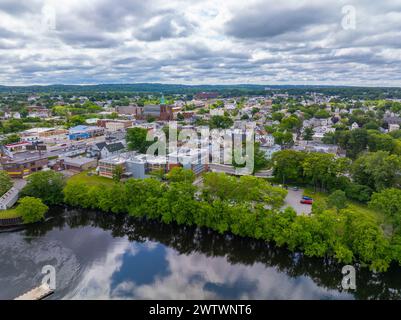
x,y
354,126
393,127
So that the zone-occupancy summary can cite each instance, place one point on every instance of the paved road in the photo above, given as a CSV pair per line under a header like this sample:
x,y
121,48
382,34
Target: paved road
x,y
19,183
293,200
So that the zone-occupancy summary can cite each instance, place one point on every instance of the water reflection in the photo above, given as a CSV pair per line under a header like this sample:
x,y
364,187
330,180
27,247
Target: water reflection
x,y
100,256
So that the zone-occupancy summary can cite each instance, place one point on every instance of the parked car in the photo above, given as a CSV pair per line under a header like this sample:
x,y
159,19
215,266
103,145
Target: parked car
x,y
295,188
306,198
307,201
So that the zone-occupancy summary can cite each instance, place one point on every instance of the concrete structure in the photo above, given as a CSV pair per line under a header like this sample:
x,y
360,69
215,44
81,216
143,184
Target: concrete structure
x,y
37,293
77,164
8,199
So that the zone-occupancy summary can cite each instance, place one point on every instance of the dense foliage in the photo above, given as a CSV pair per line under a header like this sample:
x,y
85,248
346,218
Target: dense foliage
x,y
46,185
5,182
247,207
136,139
31,209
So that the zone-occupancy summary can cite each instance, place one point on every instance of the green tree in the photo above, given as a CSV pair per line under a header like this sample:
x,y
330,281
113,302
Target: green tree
x,y
118,171
220,122
46,185
322,114
31,209
179,174
377,170
308,134
5,182
378,141
75,121
277,116
358,192
158,173
320,169
337,200
388,201
260,161
291,123
283,138
287,165
136,139
12,138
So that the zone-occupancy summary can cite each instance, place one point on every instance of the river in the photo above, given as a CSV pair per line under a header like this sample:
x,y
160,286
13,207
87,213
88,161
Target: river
x,y
105,256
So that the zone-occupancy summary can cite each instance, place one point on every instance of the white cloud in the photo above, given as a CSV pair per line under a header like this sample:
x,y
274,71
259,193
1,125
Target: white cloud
x,y
199,42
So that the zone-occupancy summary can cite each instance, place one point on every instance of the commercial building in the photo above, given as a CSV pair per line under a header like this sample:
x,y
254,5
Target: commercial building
x,y
17,146
158,111
19,167
130,110
141,166
77,164
84,132
114,125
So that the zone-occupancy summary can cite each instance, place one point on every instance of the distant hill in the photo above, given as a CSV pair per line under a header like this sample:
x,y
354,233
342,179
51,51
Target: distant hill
x,y
225,90
139,87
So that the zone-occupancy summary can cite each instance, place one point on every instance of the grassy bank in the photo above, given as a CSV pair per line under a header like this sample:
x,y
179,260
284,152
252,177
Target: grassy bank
x,y
90,180
360,207
9,214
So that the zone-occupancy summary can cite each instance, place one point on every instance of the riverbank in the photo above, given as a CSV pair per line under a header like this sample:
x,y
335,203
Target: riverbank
x,y
101,255
9,214
230,205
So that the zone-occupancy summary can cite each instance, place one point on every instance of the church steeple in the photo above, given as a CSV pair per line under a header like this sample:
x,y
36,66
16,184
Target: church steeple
x,y
162,100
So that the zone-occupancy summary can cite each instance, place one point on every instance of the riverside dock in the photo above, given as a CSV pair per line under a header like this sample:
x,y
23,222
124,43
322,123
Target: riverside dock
x,y
37,293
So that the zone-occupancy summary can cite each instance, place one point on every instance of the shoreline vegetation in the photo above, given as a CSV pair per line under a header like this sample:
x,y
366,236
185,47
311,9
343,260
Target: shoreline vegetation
x,y
338,228
245,207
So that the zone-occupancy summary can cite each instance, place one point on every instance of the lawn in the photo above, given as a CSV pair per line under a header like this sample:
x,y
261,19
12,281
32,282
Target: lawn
x,y
351,204
8,214
90,180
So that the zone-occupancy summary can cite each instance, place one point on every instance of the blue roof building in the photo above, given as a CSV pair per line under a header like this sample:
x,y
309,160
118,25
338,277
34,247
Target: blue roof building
x,y
84,132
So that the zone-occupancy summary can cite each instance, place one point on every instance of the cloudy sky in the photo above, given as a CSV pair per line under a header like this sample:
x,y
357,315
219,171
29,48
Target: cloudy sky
x,y
353,42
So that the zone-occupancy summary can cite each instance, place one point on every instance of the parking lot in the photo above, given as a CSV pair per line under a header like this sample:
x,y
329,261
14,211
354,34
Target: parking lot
x,y
293,200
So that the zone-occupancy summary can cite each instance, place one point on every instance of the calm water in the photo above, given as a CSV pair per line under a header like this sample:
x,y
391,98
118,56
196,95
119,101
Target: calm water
x,y
100,256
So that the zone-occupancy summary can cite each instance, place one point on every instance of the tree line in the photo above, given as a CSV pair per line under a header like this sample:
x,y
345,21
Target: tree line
x,y
246,206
